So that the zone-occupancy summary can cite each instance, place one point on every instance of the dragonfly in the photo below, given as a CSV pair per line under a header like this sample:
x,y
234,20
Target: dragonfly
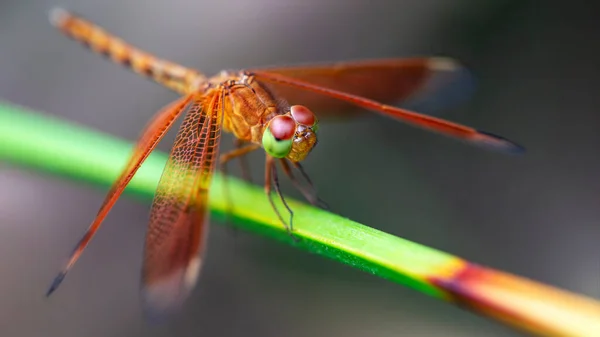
x,y
255,105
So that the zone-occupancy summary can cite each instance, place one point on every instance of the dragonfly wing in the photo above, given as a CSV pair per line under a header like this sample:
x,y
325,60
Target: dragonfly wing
x,y
179,215
150,137
417,83
430,123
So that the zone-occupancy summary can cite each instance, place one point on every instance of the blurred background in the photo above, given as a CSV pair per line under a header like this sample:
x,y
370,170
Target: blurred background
x,y
537,68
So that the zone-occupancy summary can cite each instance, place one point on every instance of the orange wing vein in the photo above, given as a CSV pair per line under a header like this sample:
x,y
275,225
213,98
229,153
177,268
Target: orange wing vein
x,y
428,83
151,136
465,133
179,216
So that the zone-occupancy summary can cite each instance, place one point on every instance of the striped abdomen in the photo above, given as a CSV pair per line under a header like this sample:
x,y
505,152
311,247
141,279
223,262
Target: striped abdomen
x,y
169,74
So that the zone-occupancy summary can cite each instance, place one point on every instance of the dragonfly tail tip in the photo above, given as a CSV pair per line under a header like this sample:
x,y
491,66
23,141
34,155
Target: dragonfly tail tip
x,y
498,143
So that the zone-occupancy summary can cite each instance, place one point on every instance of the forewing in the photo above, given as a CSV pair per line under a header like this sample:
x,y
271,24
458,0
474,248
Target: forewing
x,y
179,215
417,83
151,136
447,128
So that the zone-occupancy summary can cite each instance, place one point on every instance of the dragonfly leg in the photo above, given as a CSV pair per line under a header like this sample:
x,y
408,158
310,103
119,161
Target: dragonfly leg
x,y
271,180
244,167
309,194
239,152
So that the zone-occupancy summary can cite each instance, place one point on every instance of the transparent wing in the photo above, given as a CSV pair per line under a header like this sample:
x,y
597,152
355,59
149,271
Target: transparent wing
x,y
179,216
447,128
150,137
428,83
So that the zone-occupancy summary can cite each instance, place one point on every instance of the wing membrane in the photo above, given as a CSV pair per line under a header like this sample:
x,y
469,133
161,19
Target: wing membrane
x,y
179,217
447,128
414,82
151,136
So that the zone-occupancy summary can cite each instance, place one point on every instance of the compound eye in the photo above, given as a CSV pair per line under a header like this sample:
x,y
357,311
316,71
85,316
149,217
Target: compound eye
x,y
282,127
303,115
278,136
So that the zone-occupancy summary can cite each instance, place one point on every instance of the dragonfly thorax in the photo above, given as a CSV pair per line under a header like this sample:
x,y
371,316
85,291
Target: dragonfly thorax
x,y
253,113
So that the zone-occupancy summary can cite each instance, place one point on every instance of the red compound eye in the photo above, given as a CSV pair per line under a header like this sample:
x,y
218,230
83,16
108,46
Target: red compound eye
x,y
302,115
282,127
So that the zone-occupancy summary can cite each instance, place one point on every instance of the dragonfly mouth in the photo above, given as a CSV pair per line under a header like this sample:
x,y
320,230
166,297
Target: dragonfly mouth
x,y
305,140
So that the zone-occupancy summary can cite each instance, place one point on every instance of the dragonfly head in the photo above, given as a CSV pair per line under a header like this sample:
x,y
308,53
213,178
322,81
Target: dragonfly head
x,y
292,135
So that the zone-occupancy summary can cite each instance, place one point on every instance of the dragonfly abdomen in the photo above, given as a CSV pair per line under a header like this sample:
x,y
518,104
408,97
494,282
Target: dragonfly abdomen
x,y
174,76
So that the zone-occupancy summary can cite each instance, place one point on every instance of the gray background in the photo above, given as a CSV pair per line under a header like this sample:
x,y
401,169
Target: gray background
x,y
537,215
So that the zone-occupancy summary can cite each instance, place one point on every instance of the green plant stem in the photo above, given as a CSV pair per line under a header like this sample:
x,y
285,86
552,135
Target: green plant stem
x,y
50,145
47,144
